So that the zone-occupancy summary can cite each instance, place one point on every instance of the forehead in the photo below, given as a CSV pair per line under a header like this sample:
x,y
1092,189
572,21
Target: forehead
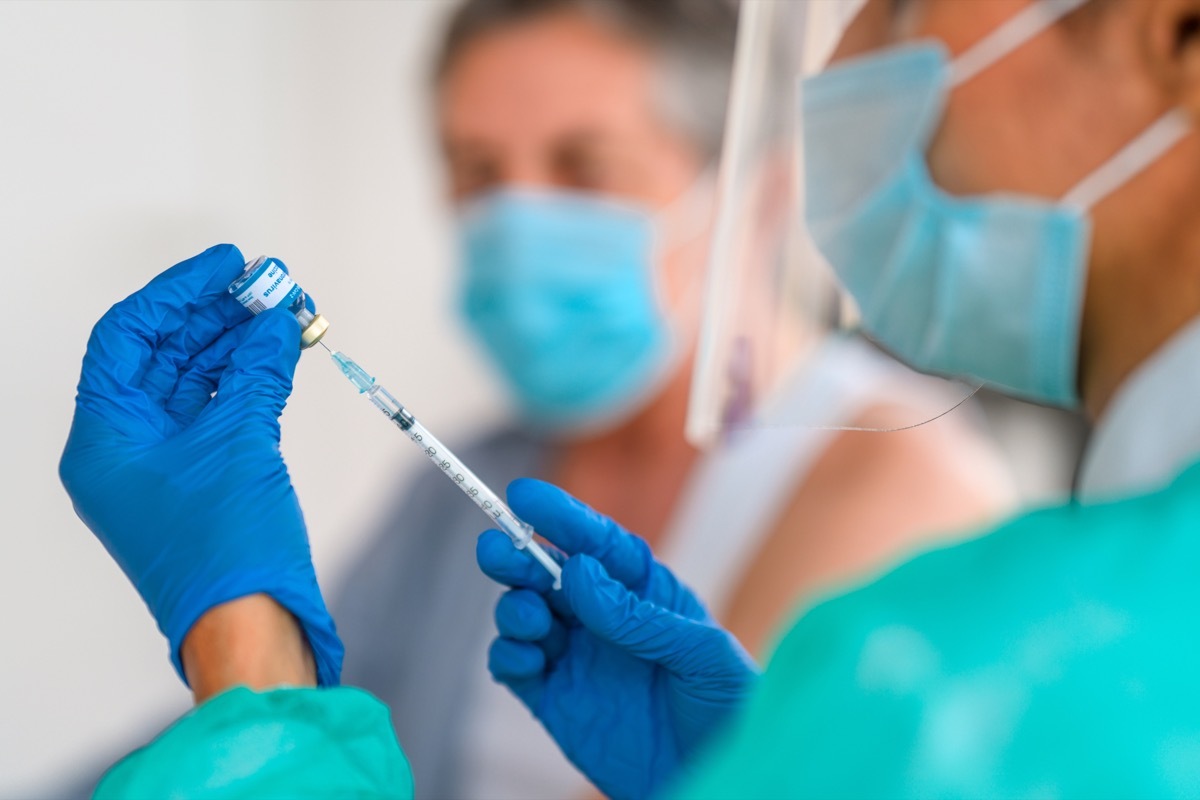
x,y
553,74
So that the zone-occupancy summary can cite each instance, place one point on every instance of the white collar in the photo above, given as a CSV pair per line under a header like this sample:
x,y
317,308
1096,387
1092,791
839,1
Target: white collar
x,y
1151,431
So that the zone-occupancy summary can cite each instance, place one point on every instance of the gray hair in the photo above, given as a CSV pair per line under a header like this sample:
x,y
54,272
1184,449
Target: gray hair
x,y
693,40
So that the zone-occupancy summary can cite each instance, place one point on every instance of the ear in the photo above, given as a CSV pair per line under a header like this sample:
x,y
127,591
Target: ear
x,y
1174,50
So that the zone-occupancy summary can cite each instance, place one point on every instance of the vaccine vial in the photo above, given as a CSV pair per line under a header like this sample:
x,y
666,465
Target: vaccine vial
x,y
266,284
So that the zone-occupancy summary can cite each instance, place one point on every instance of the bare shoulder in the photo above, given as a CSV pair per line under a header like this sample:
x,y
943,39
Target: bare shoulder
x,y
869,501
943,470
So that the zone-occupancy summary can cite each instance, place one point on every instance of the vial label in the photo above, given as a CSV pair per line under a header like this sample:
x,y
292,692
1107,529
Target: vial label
x,y
273,287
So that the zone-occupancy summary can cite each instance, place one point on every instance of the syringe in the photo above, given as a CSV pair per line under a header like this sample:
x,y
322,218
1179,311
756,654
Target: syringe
x,y
487,500
265,283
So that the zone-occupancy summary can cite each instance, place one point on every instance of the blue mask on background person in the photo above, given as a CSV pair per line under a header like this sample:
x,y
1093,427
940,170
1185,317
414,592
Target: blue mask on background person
x,y
560,290
986,288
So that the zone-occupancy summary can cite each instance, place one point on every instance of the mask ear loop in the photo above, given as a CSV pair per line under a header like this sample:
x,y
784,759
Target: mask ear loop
x,y
1150,145
1014,32
689,215
678,224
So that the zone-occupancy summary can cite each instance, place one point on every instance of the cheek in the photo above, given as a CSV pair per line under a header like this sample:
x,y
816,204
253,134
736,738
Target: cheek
x,y
1037,121
1041,120
976,149
1025,136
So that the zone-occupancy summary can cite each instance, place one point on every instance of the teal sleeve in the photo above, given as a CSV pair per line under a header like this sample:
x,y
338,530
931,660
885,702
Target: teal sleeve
x,y
1052,658
294,743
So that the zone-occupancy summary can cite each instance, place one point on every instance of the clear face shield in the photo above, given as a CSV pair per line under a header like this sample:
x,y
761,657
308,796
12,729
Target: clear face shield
x,y
835,258
783,338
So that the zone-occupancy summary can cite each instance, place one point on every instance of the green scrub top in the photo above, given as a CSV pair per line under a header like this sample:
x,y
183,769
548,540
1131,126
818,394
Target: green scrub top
x,y
287,743
1056,657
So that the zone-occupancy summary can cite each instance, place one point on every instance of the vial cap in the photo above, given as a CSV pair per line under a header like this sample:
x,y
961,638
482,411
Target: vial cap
x,y
313,333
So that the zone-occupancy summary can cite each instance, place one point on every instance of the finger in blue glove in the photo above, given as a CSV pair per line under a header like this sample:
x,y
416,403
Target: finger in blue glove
x,y
185,488
631,676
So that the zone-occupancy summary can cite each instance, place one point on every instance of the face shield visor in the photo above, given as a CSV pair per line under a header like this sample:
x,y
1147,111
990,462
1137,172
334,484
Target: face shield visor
x,y
833,249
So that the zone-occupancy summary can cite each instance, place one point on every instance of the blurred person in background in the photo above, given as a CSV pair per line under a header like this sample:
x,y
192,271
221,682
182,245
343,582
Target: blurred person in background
x,y
579,138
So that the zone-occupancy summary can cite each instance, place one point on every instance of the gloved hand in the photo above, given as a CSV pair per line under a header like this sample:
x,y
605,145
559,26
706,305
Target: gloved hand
x,y
187,490
623,666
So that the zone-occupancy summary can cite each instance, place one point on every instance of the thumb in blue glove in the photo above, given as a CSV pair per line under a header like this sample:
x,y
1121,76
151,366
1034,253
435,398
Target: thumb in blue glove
x,y
173,457
623,667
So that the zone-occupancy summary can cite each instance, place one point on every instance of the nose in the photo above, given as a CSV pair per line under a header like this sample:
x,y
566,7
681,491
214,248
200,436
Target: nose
x,y
527,171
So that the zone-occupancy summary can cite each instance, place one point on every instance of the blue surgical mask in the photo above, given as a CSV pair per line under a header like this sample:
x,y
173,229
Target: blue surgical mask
x,y
988,288
560,290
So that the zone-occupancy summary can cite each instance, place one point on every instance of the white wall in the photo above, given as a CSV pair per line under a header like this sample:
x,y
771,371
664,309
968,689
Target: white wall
x,y
133,135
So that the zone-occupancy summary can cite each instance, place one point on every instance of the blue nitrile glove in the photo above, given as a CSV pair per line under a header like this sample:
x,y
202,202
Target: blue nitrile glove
x,y
187,490
623,666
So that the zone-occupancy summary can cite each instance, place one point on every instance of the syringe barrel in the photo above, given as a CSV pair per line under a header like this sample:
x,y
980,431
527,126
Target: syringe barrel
x,y
389,405
471,485
501,515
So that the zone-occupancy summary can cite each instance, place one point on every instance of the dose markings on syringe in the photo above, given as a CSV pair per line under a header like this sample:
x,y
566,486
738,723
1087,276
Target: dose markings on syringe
x,y
458,477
